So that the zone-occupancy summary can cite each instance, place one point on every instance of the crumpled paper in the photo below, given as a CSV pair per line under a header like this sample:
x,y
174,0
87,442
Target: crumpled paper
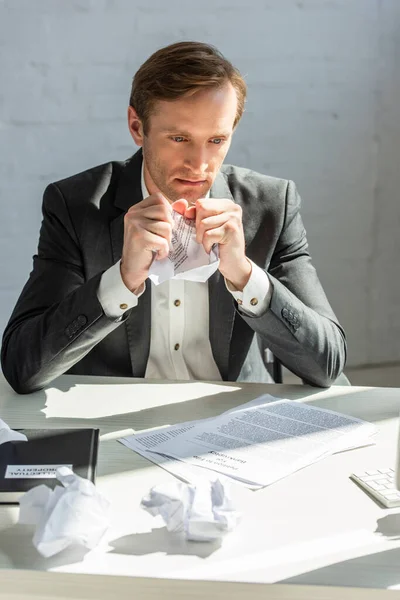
x,y
73,514
202,512
9,435
187,259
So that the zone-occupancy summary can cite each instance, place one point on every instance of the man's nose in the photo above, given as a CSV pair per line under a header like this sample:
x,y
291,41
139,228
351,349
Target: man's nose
x,y
197,159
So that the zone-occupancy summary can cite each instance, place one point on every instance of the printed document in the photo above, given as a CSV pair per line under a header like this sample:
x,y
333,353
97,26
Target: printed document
x,y
256,443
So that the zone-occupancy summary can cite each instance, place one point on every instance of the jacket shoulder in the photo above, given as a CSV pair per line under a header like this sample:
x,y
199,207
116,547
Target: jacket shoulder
x,y
91,183
254,183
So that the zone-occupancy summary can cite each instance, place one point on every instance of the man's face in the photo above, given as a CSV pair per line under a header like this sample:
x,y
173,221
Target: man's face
x,y
186,142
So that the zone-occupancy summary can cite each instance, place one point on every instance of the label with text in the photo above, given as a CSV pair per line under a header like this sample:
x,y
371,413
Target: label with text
x,y
32,471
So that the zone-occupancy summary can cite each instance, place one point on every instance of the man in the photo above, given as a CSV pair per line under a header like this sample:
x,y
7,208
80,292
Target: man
x,y
89,307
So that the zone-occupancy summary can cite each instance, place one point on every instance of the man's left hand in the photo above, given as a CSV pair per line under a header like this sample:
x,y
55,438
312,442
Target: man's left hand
x,y
219,221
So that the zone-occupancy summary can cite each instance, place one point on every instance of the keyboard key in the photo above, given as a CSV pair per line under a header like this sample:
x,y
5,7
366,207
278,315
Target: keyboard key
x,y
391,495
381,485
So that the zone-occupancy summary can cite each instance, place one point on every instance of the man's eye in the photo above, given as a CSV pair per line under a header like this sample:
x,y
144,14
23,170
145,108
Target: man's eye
x,y
217,141
178,138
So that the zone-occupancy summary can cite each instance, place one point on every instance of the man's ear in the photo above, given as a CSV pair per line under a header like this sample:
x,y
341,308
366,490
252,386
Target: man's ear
x,y
135,126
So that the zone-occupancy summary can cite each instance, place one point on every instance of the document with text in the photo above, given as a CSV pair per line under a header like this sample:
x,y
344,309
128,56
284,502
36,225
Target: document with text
x,y
256,443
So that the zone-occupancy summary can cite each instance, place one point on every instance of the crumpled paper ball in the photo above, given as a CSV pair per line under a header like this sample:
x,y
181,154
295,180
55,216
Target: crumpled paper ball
x,y
73,514
10,435
203,512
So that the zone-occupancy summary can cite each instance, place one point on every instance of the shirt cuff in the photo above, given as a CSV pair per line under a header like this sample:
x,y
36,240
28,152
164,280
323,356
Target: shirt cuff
x,y
113,295
255,298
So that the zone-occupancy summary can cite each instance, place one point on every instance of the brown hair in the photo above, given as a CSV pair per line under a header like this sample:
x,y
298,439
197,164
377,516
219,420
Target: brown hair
x,y
181,69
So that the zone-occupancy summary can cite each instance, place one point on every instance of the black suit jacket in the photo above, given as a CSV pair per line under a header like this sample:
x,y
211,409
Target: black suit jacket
x,y
58,324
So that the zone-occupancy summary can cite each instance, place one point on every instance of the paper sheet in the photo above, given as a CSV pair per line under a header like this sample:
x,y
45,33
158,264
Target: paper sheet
x,y
9,435
187,259
261,443
143,442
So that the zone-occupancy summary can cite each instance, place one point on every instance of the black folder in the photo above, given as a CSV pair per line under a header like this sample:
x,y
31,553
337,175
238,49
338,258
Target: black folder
x,y
24,465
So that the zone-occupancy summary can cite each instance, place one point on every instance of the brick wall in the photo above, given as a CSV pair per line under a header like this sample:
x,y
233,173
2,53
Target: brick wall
x,y
323,110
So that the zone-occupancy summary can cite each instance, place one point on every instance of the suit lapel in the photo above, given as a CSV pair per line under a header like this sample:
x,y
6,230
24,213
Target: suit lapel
x,y
221,303
128,193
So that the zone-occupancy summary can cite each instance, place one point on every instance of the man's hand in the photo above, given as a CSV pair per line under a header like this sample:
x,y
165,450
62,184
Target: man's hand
x,y
219,221
147,230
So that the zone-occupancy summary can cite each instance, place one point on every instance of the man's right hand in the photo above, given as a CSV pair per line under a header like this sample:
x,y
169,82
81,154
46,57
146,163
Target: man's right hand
x,y
147,229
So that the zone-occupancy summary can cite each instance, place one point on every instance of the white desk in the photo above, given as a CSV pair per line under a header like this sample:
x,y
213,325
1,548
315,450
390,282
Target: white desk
x,y
314,527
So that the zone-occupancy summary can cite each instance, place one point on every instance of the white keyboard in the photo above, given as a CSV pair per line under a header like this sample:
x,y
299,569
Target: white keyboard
x,y
380,484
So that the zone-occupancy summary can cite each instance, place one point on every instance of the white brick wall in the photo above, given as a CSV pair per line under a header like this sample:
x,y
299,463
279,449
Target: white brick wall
x,y
323,110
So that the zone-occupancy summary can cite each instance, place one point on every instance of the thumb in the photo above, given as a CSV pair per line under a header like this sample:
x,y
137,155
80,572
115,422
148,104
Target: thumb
x,y
180,206
190,213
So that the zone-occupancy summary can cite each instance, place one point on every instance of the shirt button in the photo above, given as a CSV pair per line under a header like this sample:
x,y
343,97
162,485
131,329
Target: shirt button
x,y
177,302
240,302
254,301
176,347
123,306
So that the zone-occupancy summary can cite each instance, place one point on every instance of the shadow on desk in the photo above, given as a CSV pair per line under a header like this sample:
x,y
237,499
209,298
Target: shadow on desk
x,y
137,544
104,398
16,544
141,404
161,540
379,570
375,570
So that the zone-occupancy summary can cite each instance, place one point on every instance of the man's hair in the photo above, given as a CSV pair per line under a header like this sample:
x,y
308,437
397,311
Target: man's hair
x,y
182,69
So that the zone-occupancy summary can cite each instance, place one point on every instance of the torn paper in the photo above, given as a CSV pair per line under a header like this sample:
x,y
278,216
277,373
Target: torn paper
x,y
186,259
73,514
9,435
203,512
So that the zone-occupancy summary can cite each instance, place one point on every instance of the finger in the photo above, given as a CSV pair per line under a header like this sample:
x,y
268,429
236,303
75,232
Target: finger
x,y
210,223
190,213
157,213
156,198
213,236
153,200
140,217
159,228
206,208
180,206
156,244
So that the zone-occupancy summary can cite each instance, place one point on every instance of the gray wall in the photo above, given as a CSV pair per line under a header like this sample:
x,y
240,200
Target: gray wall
x,y
323,110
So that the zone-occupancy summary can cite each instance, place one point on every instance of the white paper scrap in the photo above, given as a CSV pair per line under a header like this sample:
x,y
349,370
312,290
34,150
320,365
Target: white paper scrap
x,y
9,435
187,259
73,514
202,512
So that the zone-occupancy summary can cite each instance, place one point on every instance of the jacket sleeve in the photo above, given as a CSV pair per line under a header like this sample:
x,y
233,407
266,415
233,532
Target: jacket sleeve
x,y
57,319
300,327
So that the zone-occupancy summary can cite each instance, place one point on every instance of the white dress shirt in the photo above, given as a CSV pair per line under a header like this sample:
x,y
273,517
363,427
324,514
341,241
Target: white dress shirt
x,y
179,344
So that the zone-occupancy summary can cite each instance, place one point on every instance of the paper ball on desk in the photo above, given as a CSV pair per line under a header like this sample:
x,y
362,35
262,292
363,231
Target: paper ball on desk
x,y
203,512
73,514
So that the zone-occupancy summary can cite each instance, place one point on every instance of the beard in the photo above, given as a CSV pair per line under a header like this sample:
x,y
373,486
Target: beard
x,y
160,177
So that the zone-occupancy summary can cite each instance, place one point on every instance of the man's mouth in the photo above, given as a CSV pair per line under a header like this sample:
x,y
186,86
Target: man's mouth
x,y
191,182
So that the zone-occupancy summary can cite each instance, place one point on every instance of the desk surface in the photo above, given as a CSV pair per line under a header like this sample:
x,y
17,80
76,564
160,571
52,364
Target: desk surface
x,y
314,527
